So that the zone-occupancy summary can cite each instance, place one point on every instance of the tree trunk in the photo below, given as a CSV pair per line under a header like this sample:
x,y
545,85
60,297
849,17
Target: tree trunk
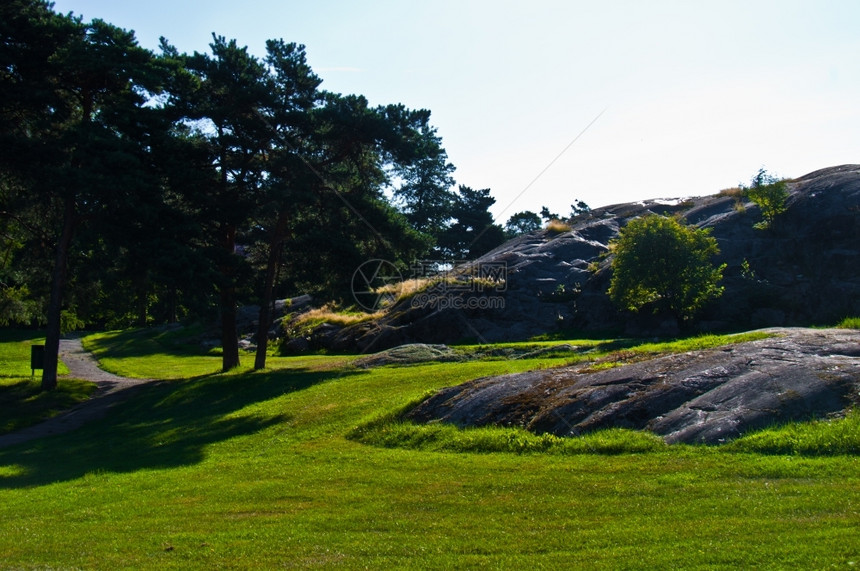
x,y
142,302
171,306
263,335
229,331
55,305
265,318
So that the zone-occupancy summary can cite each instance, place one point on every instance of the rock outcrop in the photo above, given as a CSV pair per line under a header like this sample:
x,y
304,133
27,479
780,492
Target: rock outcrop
x,y
708,396
804,270
409,355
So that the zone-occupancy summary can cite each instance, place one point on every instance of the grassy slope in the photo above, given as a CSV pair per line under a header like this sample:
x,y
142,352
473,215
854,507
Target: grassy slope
x,y
255,470
21,398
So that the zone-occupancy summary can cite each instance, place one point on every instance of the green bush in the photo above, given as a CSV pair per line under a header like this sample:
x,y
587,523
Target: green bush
x,y
664,263
770,194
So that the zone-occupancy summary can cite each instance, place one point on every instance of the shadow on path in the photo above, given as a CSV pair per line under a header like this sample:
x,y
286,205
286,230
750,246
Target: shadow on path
x,y
111,390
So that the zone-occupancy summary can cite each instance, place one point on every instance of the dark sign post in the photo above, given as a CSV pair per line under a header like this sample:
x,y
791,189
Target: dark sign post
x,y
37,358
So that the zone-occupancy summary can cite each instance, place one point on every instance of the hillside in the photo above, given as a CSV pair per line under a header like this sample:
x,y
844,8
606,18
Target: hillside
x,y
804,270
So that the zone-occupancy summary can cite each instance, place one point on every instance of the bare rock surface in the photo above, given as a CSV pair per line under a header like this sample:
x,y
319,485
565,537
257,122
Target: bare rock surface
x,y
708,396
408,355
804,270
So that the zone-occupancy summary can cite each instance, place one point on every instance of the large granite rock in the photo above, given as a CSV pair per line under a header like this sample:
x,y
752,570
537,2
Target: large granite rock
x,y
803,271
698,397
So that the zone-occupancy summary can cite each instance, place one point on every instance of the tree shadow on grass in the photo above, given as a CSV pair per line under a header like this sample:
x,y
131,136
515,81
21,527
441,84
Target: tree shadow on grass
x,y
23,403
146,342
164,425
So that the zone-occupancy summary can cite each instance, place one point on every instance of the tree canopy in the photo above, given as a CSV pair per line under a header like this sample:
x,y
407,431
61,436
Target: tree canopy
x,y
140,187
473,232
769,193
77,130
522,223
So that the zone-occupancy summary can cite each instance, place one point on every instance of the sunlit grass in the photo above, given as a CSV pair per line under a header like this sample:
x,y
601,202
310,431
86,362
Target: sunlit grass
x,y
257,470
15,352
388,430
816,438
145,354
457,279
333,315
151,354
396,292
557,227
599,354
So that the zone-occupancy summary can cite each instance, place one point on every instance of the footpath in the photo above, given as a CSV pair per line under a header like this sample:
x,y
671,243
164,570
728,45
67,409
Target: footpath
x,y
111,390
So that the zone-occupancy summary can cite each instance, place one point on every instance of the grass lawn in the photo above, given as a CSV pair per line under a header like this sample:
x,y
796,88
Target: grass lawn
x,y
22,402
263,470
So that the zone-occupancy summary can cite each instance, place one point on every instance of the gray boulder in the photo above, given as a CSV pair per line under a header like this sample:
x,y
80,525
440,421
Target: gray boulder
x,y
706,396
409,355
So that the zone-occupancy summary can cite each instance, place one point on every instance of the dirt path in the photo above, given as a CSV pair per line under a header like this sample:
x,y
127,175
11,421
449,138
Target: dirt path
x,y
111,390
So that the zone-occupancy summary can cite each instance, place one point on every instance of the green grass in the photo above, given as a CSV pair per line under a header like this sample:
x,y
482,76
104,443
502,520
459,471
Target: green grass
x,y
698,343
171,354
437,437
153,353
262,470
22,401
15,352
817,438
390,431
849,323
604,352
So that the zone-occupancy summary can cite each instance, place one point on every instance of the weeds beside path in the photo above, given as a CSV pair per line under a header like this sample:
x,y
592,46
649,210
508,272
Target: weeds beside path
x,y
82,365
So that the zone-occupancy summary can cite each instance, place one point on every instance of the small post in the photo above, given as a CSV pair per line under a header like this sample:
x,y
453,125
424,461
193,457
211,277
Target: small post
x,y
37,358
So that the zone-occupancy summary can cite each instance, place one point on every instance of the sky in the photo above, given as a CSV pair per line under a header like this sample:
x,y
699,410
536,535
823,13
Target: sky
x,y
550,101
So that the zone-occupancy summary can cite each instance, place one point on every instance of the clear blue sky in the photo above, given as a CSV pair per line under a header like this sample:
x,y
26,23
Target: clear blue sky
x,y
695,96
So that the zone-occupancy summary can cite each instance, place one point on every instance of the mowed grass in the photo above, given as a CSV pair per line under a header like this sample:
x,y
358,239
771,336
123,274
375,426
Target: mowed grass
x,y
165,353
22,402
257,470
